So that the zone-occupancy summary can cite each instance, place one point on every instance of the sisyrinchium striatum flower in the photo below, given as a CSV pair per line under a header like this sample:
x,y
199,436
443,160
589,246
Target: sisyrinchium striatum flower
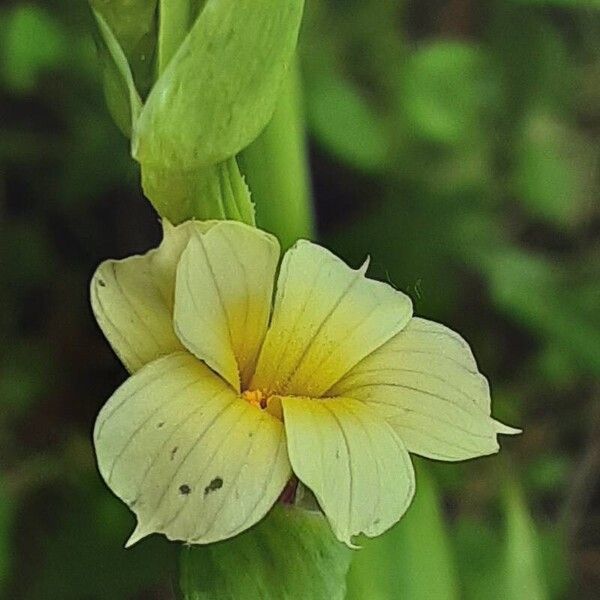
x,y
235,387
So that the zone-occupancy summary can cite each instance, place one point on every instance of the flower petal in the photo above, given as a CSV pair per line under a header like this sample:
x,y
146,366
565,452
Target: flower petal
x,y
327,317
132,299
190,457
425,382
223,297
352,460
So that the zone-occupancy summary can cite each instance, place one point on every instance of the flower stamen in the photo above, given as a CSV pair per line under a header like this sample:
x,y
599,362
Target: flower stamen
x,y
263,401
256,397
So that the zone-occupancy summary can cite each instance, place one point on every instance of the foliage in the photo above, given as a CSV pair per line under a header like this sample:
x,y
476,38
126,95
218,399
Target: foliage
x,y
456,144
304,561
399,564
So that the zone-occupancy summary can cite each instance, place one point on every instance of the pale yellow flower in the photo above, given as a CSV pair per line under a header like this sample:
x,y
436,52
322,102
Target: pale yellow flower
x,y
229,395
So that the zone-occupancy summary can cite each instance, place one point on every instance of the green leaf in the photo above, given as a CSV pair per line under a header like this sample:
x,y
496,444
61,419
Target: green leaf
x,y
80,550
217,192
555,171
479,555
220,89
134,26
447,92
561,3
291,554
22,60
522,551
6,521
175,18
512,561
413,561
545,298
345,124
130,20
536,66
553,546
122,97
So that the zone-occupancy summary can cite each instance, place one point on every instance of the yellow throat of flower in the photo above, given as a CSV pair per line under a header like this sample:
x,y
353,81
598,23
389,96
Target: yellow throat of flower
x,y
262,401
256,397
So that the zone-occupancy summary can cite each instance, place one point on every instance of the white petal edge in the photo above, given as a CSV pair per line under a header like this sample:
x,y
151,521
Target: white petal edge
x,y
425,382
189,457
352,460
223,297
132,299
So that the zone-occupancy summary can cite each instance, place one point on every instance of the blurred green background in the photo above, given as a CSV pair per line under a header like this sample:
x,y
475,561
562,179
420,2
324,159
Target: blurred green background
x,y
456,142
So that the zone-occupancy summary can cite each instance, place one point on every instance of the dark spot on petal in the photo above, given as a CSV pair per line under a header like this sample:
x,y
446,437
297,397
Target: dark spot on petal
x,y
251,434
337,454
185,489
101,283
213,486
161,424
174,452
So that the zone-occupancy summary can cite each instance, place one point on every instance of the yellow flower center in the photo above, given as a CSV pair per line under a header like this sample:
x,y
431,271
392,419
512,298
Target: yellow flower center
x,y
256,397
263,401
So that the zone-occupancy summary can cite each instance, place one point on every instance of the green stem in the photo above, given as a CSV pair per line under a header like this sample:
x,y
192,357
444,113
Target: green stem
x,y
216,192
276,169
174,19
